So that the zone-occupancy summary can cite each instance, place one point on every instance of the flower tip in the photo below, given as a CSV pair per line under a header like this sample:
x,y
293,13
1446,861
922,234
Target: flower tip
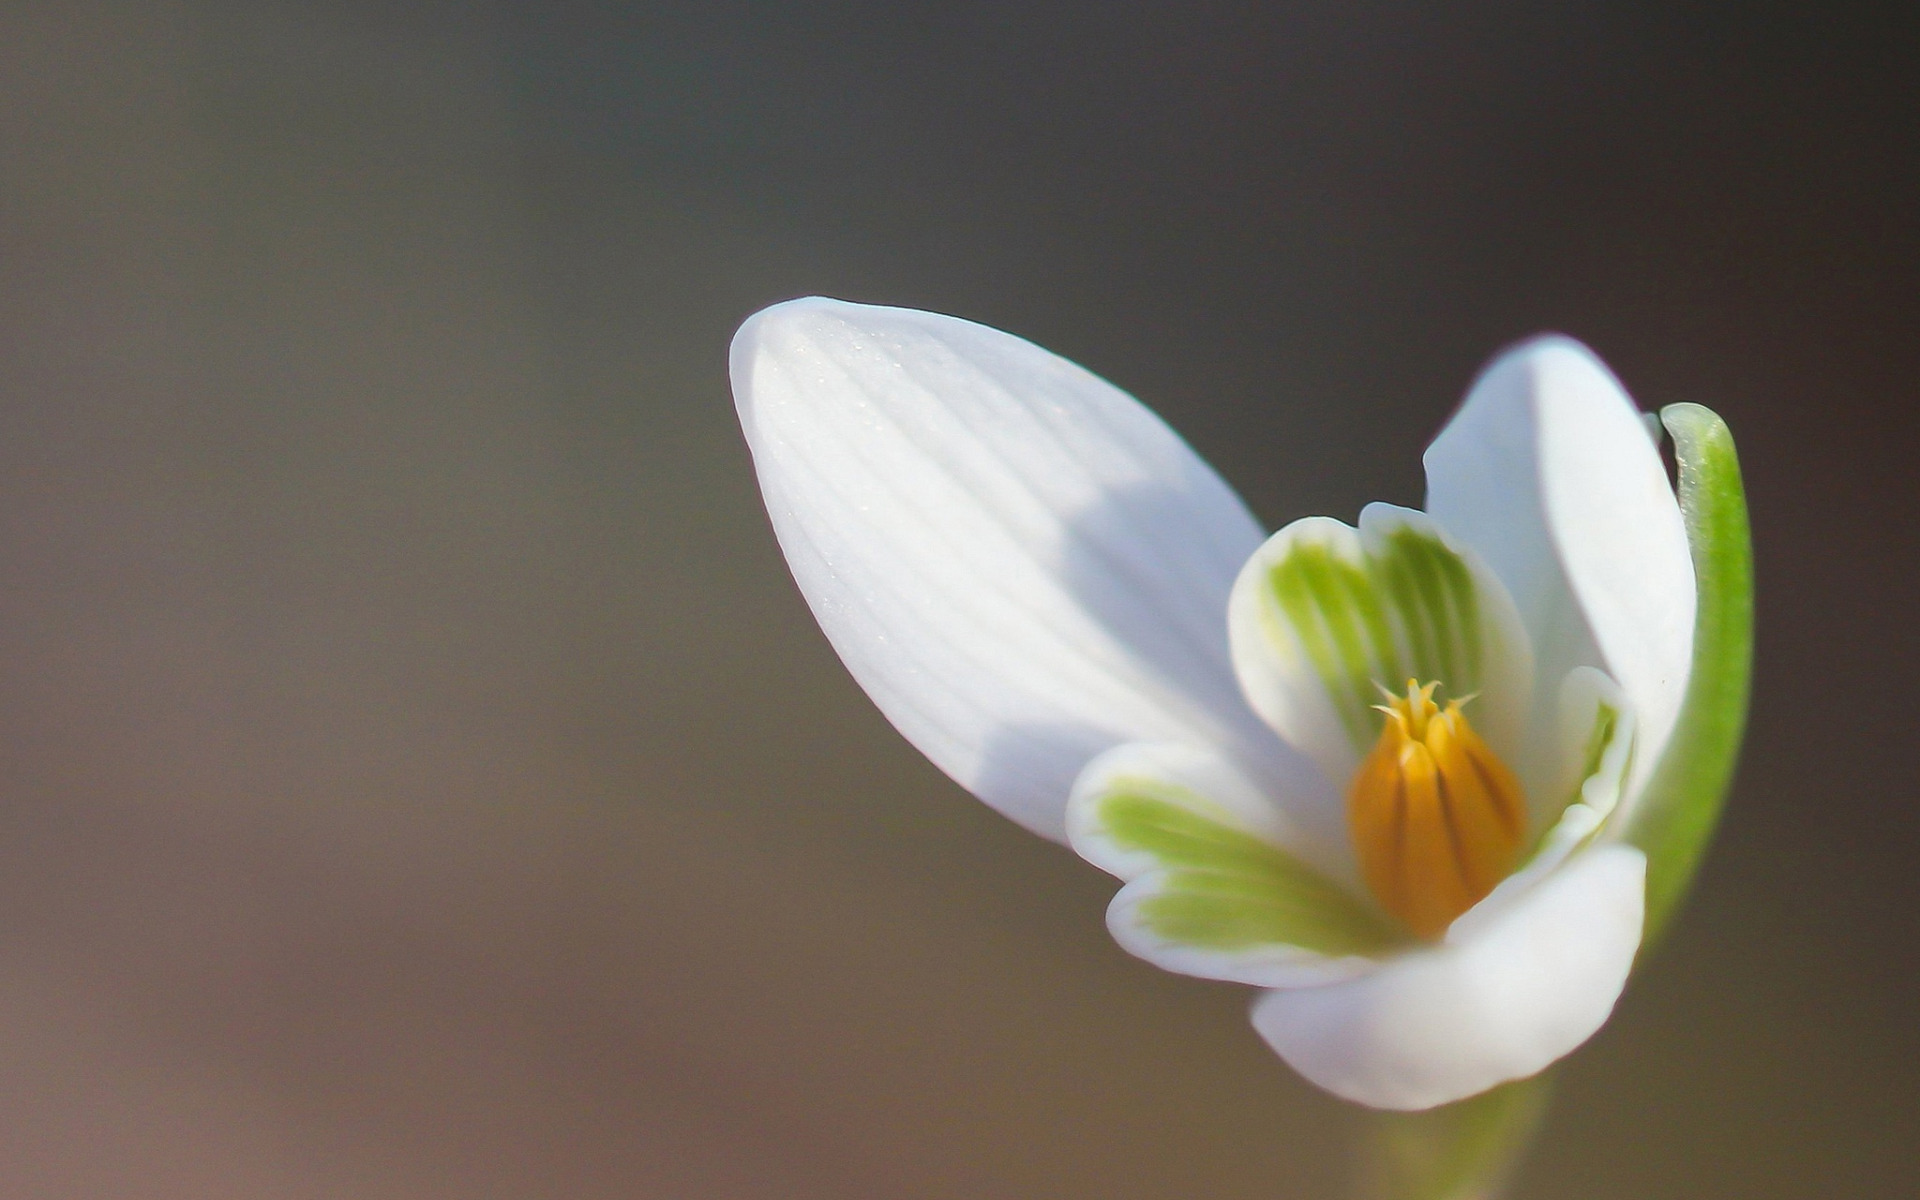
x,y
775,319
1546,344
784,332
1549,362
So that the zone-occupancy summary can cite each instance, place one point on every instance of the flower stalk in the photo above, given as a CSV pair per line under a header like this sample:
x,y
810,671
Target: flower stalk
x,y
1468,1150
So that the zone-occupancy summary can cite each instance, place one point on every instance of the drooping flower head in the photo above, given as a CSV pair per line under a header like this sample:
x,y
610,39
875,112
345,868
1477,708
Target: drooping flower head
x,y
1423,780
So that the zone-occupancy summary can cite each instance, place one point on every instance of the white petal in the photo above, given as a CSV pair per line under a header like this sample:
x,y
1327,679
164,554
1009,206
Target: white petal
x,y
1221,882
1499,1003
1209,781
1595,752
1548,472
1598,739
1324,615
1019,563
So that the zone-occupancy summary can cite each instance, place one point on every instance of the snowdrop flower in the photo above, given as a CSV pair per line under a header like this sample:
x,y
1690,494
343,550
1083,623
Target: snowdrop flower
x,y
1424,780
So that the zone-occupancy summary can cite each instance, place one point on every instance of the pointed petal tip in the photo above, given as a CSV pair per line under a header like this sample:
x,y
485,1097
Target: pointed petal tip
x,y
1548,361
788,310
1543,342
773,315
775,325
812,314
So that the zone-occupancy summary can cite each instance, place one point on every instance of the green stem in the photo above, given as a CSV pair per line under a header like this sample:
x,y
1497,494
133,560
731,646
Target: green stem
x,y
1462,1151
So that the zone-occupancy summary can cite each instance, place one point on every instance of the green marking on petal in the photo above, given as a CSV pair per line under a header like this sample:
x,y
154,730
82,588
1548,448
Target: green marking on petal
x,y
1321,597
1682,803
1226,889
1407,610
1465,607
1440,602
1584,815
1606,719
1412,593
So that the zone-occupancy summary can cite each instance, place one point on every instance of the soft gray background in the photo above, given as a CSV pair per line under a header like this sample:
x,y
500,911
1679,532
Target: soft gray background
x,y
422,780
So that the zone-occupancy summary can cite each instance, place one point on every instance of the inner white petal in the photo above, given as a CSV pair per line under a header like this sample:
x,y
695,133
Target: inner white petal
x,y
1582,805
1325,616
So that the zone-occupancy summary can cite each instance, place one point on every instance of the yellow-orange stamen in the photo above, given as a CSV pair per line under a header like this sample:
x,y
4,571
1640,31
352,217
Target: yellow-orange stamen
x,y
1437,818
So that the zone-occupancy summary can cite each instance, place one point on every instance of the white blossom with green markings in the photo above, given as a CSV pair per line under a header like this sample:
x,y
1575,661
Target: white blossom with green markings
x,y
1428,781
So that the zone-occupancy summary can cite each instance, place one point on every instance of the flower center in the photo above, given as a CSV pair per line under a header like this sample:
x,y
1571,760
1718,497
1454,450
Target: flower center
x,y
1436,817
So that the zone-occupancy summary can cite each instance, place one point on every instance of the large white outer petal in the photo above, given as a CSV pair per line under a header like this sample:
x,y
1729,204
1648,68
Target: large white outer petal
x,y
1501,1002
1019,563
1547,471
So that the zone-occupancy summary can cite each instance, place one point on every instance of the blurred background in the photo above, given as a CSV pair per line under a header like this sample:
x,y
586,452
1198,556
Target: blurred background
x,y
420,778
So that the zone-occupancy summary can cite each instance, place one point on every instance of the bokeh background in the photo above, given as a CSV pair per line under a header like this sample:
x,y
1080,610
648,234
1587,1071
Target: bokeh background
x,y
420,778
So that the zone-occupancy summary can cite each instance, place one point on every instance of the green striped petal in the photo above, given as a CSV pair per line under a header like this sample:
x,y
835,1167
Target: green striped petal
x,y
1218,884
1595,745
1325,615
1676,814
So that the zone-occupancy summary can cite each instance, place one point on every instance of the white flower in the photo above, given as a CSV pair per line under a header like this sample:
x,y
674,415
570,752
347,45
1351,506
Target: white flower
x,y
1388,774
